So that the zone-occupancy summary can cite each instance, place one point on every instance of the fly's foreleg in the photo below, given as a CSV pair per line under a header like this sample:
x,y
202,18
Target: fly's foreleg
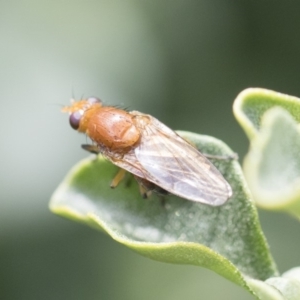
x,y
91,148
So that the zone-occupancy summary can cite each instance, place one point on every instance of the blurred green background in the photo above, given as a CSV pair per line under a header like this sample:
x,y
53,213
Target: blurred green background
x,y
183,62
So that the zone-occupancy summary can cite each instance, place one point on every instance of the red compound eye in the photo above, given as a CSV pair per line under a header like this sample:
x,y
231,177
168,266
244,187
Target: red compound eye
x,y
74,119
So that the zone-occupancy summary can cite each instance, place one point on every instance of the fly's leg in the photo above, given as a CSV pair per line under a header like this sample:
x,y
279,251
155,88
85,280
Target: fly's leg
x,y
145,187
91,148
120,175
144,192
233,156
118,178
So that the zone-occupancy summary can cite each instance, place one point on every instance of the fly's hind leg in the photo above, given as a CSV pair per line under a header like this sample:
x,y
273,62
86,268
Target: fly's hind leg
x,y
144,192
145,187
233,156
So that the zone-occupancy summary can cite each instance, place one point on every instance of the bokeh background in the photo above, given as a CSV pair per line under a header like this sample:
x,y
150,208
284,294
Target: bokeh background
x,y
181,61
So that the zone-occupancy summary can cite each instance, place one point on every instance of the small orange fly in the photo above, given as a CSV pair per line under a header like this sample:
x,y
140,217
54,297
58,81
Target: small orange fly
x,y
159,158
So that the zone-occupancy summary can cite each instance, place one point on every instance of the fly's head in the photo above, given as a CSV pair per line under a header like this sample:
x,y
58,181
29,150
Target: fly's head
x,y
81,112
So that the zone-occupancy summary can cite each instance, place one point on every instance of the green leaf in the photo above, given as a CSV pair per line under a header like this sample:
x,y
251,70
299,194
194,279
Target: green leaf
x,y
251,104
272,166
286,287
263,290
225,239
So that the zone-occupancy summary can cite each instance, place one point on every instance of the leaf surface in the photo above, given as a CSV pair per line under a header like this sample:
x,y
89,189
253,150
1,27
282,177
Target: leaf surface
x,y
272,165
226,239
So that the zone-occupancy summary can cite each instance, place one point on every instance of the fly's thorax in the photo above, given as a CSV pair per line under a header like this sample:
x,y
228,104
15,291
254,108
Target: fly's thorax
x,y
81,111
113,128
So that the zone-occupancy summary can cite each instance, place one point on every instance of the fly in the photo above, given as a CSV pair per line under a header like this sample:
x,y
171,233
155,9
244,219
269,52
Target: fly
x,y
158,157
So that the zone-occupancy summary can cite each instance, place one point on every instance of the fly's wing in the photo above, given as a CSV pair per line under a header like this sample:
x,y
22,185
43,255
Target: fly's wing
x,y
170,162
